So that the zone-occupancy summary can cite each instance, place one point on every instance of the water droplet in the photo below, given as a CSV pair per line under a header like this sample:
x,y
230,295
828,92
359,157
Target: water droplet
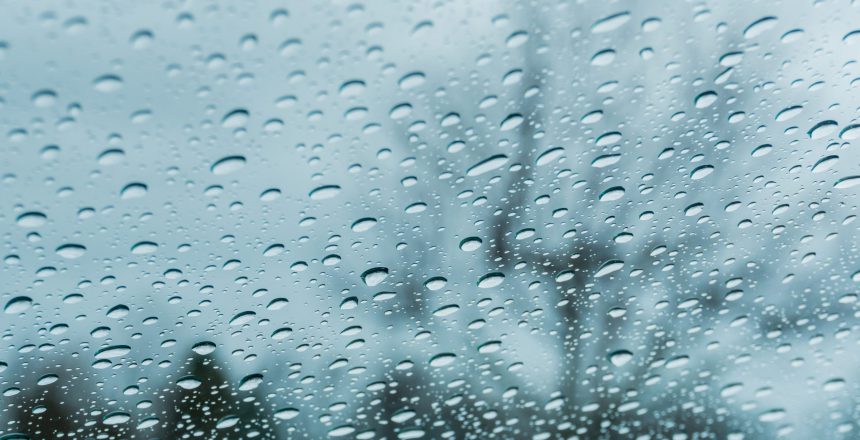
x,y
133,190
250,382
491,280
141,39
606,160
490,347
435,283
705,99
363,224
825,163
850,132
235,118
47,379
442,359
144,247
759,27
188,382
822,129
517,39
788,113
107,83
18,304
113,351
286,413
762,150
701,172
847,182
204,348
611,194
44,98
274,250
71,251
411,80
227,165
619,358
31,219
374,277
470,244
116,418
609,267
549,156
352,88
603,58
487,165
324,192
511,122
610,23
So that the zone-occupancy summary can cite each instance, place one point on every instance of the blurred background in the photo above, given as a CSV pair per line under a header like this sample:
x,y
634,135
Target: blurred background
x,y
429,220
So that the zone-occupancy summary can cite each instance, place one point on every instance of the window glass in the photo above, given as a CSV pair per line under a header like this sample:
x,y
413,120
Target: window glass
x,y
429,220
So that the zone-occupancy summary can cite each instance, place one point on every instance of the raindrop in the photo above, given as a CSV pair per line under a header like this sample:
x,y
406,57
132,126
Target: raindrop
x,y
619,358
705,99
235,119
442,359
144,247
491,280
227,165
411,80
487,165
609,267
470,244
31,219
107,83
363,224
511,122
19,304
374,277
324,192
759,27
822,129
71,251
610,23
134,190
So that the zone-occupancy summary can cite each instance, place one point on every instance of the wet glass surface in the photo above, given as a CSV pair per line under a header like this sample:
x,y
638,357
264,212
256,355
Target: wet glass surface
x,y
429,220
